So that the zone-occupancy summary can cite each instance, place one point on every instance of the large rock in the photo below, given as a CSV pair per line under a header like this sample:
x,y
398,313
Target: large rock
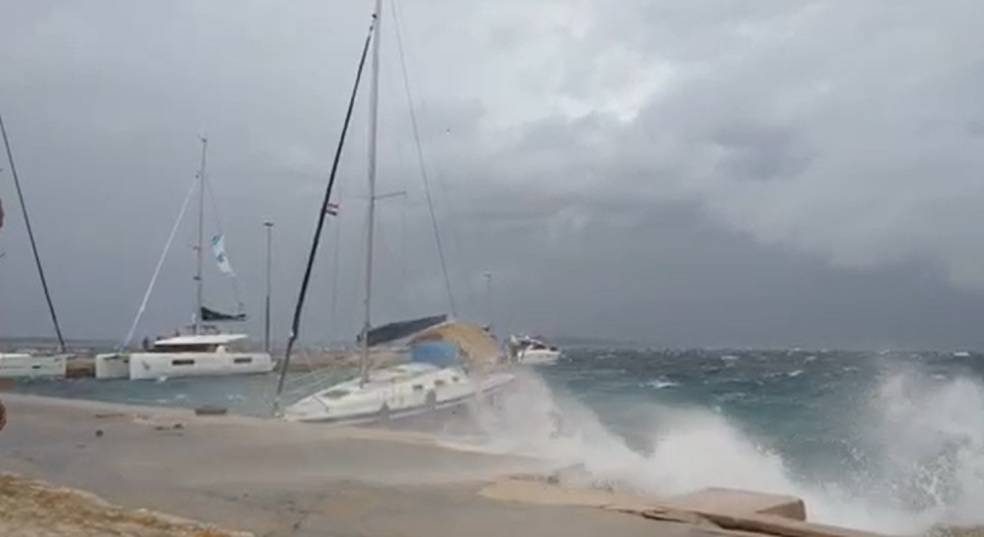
x,y
739,502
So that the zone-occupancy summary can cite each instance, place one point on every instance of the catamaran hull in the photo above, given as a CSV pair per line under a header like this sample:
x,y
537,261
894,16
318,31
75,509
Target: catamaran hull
x,y
23,365
112,366
156,365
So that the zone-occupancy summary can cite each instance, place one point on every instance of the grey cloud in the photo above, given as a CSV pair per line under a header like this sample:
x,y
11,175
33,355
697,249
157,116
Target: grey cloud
x,y
683,172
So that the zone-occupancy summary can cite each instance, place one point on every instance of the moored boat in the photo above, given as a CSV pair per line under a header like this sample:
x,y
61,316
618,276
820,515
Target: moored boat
x,y
184,356
525,350
205,351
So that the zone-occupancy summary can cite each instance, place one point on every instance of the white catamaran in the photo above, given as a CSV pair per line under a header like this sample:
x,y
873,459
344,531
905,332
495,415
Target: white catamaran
x,y
450,363
204,352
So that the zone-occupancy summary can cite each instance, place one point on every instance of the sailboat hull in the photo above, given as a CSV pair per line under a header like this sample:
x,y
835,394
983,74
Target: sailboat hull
x,y
395,393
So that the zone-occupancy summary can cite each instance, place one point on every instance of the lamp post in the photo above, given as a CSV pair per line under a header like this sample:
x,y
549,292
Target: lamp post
x,y
488,299
269,259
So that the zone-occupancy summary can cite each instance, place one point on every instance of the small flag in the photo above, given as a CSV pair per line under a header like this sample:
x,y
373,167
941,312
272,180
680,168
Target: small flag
x,y
218,249
1,213
332,209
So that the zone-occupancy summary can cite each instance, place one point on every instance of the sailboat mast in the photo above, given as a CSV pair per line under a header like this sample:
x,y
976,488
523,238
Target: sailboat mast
x,y
201,238
30,235
373,124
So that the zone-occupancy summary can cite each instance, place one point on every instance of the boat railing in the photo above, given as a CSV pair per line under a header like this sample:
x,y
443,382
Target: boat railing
x,y
309,383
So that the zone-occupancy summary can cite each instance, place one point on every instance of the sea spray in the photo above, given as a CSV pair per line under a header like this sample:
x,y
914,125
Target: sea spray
x,y
923,444
930,435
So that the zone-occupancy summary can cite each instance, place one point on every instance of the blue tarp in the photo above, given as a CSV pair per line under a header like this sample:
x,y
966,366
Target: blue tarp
x,y
440,353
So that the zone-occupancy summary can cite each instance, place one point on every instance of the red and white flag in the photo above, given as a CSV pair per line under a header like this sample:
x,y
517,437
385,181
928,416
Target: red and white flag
x,y
332,209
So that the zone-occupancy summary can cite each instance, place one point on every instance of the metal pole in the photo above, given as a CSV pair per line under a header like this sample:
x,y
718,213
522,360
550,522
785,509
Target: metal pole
x,y
373,123
30,235
201,238
269,249
488,299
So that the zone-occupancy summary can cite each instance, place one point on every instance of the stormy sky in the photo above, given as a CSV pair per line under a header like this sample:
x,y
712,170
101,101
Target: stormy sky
x,y
695,172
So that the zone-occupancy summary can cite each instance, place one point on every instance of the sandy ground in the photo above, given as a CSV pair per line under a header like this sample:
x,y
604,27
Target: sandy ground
x,y
30,508
274,478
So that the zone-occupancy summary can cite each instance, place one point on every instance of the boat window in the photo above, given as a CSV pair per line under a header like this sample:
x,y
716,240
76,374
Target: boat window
x,y
454,378
184,348
242,360
335,394
418,387
182,362
439,382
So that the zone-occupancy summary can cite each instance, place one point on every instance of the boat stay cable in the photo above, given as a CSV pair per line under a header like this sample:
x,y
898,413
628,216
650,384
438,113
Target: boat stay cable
x,y
420,159
218,226
157,269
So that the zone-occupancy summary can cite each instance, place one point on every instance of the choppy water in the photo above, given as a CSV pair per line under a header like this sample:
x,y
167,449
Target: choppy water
x,y
892,442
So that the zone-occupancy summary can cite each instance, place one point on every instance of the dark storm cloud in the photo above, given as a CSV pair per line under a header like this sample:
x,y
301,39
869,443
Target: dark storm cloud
x,y
707,172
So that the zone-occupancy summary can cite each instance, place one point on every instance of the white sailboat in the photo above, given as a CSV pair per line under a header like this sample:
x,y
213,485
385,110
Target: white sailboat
x,y
27,364
450,364
438,375
204,352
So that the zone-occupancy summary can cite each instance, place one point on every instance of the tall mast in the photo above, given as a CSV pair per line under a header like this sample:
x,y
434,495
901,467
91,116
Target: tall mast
x,y
373,123
201,238
30,235
295,326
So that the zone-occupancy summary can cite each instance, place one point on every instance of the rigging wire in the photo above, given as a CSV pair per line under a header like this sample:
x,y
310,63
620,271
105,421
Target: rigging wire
x,y
157,269
420,158
333,308
218,225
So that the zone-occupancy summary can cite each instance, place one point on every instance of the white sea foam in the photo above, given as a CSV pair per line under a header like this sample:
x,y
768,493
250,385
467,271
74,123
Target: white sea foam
x,y
660,383
927,437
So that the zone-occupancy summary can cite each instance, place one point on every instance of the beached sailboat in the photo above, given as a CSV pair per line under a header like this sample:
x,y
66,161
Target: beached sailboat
x,y
206,351
449,364
438,374
26,364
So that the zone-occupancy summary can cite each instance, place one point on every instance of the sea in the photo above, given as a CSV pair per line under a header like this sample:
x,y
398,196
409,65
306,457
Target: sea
x,y
886,441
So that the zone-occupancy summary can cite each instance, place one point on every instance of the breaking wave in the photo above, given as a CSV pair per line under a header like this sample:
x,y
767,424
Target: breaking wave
x,y
916,449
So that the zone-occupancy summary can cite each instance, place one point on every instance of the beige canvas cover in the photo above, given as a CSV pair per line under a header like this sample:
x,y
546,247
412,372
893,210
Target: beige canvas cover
x,y
477,348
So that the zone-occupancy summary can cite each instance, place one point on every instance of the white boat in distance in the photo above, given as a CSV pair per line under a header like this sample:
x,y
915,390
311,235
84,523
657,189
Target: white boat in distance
x,y
184,356
525,350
